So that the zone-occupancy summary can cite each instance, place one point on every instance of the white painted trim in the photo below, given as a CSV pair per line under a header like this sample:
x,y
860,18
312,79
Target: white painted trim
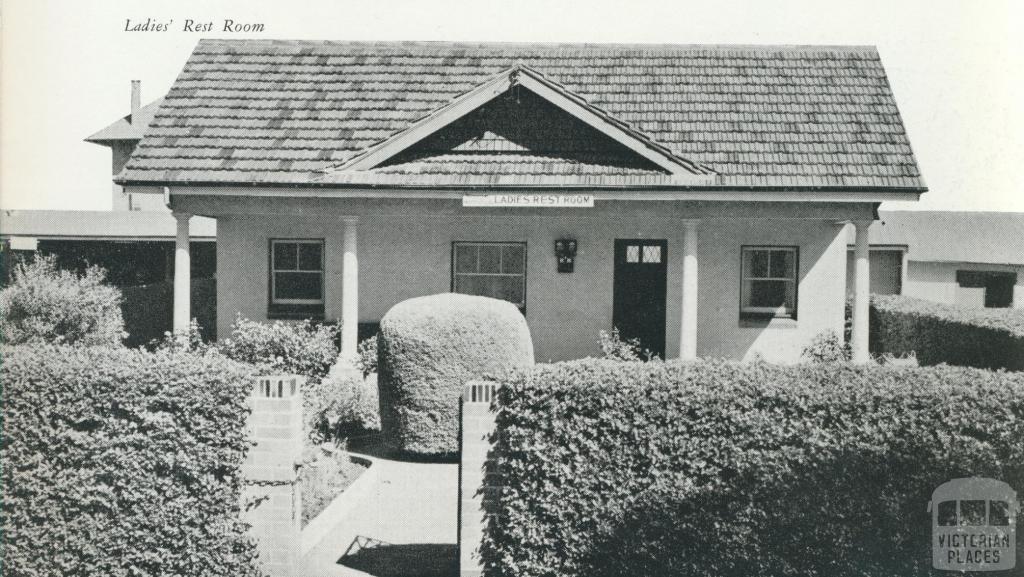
x,y
620,194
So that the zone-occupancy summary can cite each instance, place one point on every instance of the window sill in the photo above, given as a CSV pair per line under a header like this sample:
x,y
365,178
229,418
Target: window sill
x,y
295,312
749,321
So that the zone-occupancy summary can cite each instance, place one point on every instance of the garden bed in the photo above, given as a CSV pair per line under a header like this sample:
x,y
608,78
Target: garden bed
x,y
325,474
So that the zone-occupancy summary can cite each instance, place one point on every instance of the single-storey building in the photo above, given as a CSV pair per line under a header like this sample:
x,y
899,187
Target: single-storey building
x,y
695,197
972,259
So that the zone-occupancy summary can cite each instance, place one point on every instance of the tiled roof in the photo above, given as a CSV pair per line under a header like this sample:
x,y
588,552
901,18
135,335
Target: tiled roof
x,y
291,112
124,129
941,236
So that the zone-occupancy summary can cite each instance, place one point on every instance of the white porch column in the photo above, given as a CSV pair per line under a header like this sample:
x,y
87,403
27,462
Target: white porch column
x,y
350,290
688,327
861,282
182,277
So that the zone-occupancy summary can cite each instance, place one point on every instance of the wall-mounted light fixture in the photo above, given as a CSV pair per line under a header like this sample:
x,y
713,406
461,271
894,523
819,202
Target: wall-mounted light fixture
x,y
565,251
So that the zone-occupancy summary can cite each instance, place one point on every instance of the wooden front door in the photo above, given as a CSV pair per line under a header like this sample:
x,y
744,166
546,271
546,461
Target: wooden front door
x,y
641,277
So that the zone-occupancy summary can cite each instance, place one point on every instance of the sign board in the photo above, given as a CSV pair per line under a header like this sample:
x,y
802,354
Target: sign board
x,y
529,200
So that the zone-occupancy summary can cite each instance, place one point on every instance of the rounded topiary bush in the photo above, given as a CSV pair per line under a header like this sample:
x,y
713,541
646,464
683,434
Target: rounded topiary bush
x,y
428,348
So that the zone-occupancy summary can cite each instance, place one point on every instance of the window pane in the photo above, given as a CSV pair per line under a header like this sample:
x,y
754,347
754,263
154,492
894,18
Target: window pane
x,y
757,263
947,513
310,255
782,264
285,256
632,253
465,258
509,288
490,258
652,254
297,285
998,513
972,512
768,293
513,259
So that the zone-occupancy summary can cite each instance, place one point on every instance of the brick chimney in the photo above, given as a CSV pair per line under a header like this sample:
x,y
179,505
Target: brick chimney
x,y
136,100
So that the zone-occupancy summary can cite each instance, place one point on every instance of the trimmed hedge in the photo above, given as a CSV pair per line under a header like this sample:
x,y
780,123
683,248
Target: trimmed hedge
x,y
428,348
729,469
121,462
940,333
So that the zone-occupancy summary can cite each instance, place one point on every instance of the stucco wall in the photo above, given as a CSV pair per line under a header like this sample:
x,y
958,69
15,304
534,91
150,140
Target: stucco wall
x,y
406,255
936,281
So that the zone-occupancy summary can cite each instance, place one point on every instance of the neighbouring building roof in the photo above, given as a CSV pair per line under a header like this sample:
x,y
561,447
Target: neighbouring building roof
x,y
100,225
125,128
940,236
311,113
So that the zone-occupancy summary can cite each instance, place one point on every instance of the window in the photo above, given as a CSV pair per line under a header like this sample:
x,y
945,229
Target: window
x,y
296,277
768,282
972,512
490,269
998,513
981,288
947,514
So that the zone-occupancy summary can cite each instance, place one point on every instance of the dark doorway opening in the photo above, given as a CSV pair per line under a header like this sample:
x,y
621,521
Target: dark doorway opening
x,y
641,278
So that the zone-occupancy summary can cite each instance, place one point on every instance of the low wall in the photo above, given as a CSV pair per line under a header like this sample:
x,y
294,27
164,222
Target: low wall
x,y
272,496
479,482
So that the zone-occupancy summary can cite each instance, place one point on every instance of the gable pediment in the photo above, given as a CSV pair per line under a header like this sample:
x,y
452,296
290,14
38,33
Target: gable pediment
x,y
520,124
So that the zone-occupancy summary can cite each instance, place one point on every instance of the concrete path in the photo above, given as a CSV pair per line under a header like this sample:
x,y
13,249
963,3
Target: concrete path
x,y
404,527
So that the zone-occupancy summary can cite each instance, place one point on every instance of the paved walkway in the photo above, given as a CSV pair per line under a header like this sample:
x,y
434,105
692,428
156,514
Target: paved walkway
x,y
405,527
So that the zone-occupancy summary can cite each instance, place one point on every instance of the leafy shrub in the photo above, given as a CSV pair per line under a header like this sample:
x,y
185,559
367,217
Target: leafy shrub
x,y
616,348
729,469
299,348
429,347
368,355
121,462
826,347
940,333
44,304
341,405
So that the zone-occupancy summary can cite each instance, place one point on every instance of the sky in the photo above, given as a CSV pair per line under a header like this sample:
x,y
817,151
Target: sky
x,y
954,66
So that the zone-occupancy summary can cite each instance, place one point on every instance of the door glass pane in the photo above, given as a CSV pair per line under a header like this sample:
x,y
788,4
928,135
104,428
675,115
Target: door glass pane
x,y
490,258
465,258
652,254
285,256
297,285
310,255
972,512
632,253
757,263
513,259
